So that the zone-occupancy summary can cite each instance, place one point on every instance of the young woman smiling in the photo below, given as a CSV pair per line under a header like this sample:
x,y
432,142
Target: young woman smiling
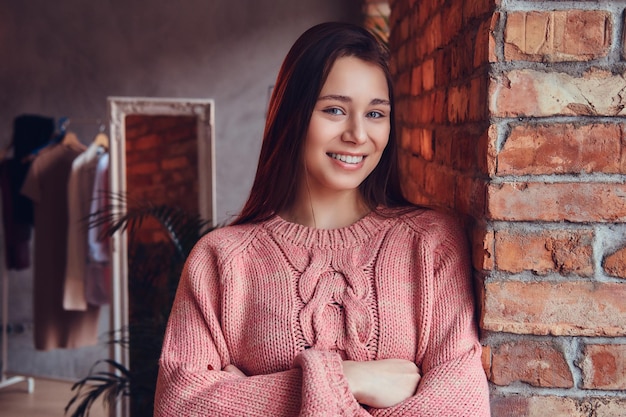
x,y
330,294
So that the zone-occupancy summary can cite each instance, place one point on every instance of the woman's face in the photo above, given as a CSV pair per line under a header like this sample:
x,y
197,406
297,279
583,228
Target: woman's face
x,y
349,127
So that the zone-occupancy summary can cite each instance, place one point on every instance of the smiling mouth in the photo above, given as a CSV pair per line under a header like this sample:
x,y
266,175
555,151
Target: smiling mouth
x,y
348,159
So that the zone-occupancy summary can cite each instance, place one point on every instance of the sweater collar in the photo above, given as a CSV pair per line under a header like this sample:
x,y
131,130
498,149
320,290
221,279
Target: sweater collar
x,y
358,233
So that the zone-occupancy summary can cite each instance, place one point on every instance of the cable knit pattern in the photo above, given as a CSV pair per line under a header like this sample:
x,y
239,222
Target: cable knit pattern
x,y
335,292
286,304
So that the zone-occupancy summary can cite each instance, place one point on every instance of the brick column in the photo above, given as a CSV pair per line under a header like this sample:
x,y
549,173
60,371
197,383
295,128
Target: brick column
x,y
512,114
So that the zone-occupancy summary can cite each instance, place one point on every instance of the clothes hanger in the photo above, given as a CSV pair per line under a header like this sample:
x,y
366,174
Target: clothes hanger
x,y
102,140
70,139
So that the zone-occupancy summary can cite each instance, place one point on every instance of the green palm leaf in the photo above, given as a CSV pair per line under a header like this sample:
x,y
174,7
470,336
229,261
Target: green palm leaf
x,y
183,228
146,264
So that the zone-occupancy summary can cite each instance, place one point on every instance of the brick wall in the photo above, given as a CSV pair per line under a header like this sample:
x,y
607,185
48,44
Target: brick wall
x,y
512,113
161,168
162,164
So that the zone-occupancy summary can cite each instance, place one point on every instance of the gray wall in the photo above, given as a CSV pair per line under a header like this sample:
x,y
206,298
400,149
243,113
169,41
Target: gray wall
x,y
64,58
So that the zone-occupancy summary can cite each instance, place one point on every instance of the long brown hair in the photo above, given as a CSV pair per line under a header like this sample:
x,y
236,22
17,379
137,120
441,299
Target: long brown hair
x,y
295,93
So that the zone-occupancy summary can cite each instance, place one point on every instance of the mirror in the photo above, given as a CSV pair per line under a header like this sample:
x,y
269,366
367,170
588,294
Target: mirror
x,y
162,151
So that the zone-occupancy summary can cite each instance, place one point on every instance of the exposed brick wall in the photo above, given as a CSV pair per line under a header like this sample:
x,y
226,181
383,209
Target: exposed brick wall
x,y
162,164
512,114
161,168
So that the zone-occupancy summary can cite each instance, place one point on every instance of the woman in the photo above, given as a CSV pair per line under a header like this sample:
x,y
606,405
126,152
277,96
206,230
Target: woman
x,y
330,295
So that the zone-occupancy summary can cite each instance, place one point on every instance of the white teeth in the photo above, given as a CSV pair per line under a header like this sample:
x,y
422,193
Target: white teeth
x,y
348,159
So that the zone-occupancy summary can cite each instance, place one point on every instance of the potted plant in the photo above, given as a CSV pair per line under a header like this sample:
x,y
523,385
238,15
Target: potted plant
x,y
154,269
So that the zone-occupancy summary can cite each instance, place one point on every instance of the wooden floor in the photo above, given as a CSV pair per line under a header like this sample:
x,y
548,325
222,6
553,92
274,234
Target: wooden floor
x,y
48,399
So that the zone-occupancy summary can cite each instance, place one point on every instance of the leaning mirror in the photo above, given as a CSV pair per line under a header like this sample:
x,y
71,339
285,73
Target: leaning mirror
x,y
162,152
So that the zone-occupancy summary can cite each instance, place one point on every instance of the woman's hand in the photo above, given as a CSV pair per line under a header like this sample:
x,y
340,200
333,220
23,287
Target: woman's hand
x,y
383,383
232,369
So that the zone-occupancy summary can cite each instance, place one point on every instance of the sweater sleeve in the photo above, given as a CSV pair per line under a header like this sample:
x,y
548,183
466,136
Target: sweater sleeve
x,y
453,381
191,383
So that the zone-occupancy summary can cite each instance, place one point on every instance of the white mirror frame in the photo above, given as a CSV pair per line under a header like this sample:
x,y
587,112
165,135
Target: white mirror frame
x,y
119,108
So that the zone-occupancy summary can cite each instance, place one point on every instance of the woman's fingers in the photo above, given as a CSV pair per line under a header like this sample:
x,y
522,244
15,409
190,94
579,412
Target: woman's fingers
x,y
232,369
382,383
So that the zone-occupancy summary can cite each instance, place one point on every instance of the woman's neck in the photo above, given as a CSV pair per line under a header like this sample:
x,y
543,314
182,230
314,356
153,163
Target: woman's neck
x,y
333,212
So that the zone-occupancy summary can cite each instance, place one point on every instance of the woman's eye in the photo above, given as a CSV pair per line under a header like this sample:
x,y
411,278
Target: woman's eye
x,y
335,111
375,114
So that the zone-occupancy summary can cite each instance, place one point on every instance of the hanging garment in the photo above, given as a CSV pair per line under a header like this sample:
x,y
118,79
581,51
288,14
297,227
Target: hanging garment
x,y
98,283
17,233
29,133
46,185
81,187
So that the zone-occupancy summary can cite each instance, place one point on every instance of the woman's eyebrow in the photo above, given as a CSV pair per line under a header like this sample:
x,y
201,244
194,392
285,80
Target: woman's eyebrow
x,y
378,101
346,99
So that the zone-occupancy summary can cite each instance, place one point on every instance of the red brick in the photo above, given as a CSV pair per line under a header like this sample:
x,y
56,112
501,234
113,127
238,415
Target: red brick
x,y
556,308
458,104
540,364
428,75
585,33
545,251
486,360
478,99
422,108
541,406
622,164
615,263
528,92
488,153
416,80
574,202
476,8
495,21
550,36
404,160
145,168
425,140
453,19
470,195
462,148
444,143
440,185
401,58
164,123
175,163
405,138
561,149
604,367
413,183
607,406
483,249
146,141
403,81
440,100
403,105
433,33
415,195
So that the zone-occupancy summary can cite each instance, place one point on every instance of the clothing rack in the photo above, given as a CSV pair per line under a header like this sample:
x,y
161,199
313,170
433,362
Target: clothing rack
x,y
5,380
74,121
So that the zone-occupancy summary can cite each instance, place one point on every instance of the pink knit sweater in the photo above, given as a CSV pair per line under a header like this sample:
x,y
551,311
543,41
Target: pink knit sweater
x,y
286,303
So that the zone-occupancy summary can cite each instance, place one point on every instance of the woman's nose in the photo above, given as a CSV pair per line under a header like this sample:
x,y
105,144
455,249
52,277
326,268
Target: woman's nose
x,y
355,131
